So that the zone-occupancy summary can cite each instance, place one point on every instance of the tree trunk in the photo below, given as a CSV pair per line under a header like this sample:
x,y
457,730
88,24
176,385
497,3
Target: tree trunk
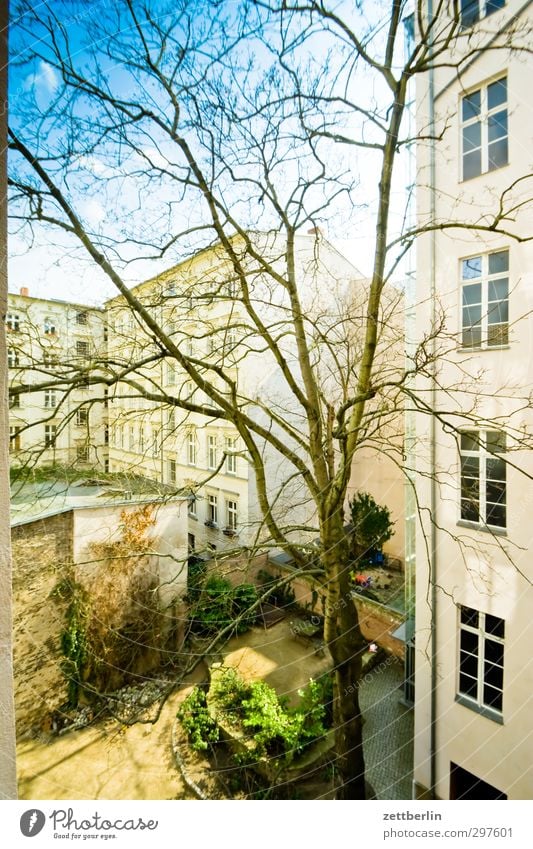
x,y
346,645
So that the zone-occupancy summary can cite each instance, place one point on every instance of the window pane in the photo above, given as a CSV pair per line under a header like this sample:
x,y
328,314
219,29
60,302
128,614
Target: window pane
x,y
494,625
469,616
495,441
497,93
498,262
496,515
469,440
492,698
498,154
468,686
469,642
472,105
494,652
469,510
493,6
472,137
471,315
495,493
498,289
469,12
472,337
493,675
497,126
498,334
498,313
471,267
495,469
470,468
471,165
468,664
472,294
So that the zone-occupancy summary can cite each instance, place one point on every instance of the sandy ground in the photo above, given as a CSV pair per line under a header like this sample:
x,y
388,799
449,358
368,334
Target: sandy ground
x,y
110,762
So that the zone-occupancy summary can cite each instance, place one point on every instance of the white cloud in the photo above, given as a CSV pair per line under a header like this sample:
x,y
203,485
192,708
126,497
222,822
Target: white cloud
x,y
45,78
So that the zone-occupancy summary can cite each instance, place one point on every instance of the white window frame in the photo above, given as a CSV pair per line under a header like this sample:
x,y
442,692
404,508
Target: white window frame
x,y
192,448
474,445
50,435
50,399
13,360
82,417
14,438
13,321
231,459
477,10
490,307
486,663
484,118
172,471
192,507
232,509
171,374
212,452
49,326
212,509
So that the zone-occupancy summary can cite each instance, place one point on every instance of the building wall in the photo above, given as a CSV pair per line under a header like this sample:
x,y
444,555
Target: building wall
x,y
46,340
488,571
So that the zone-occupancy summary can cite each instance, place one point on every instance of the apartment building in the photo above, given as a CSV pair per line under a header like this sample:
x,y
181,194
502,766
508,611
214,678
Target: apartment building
x,y
474,672
53,348
139,423
201,305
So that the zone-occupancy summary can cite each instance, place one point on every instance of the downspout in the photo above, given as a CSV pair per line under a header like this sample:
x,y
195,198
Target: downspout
x,y
433,430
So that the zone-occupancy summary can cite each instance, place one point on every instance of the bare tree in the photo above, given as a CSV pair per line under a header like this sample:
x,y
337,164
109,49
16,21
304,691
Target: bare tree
x,y
233,128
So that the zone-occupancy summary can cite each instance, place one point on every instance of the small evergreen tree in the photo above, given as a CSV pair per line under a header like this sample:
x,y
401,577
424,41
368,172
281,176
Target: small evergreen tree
x,y
372,524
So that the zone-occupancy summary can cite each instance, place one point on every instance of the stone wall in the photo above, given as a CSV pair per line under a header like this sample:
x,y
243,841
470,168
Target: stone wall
x,y
41,554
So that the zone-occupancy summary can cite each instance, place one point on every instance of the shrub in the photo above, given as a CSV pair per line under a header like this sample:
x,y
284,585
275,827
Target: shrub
x,y
197,722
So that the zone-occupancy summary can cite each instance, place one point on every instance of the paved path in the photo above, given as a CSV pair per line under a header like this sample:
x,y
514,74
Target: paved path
x,y
388,732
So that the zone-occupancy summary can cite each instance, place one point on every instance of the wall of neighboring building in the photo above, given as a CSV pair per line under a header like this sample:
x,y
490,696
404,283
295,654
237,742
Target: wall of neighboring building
x,y
484,568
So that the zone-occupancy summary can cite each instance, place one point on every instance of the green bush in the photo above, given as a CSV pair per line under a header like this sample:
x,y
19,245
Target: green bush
x,y
372,525
220,604
197,722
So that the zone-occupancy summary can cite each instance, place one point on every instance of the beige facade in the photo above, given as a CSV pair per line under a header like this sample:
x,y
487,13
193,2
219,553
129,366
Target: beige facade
x,y
63,423
474,673
141,425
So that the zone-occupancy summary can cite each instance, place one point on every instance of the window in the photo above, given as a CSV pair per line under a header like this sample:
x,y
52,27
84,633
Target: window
x,y
14,401
481,638
483,478
172,471
14,439
484,129
81,317
141,439
82,417
50,358
231,459
106,434
49,326
466,785
82,453
50,434
485,300
13,321
12,357
473,10
231,515
191,448
171,374
212,510
211,452
191,510
82,349
50,399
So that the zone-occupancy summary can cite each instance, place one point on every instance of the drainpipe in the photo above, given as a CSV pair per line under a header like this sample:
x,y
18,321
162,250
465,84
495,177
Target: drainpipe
x,y
433,430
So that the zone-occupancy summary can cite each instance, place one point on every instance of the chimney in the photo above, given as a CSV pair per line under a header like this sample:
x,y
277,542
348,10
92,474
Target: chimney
x,y
24,291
